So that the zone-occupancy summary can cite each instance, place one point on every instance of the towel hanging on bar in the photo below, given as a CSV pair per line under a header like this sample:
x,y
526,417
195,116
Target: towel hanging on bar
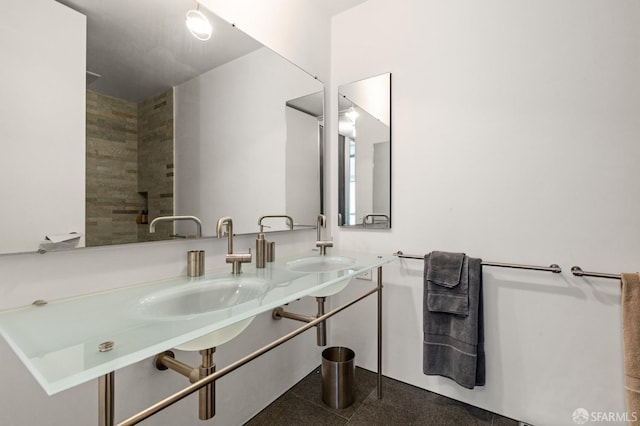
x,y
453,338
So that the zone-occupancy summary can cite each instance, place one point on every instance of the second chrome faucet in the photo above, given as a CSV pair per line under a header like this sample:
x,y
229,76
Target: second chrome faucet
x,y
263,247
236,259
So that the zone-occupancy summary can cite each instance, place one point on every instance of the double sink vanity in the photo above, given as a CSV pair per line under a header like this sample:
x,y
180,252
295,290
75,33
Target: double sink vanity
x,y
67,342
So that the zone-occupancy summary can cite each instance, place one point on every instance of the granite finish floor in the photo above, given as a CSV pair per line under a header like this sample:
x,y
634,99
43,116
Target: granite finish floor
x,y
402,404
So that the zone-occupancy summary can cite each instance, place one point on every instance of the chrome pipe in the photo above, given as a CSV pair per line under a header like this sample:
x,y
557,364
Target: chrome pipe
x,y
144,414
279,313
578,272
551,268
379,290
207,394
321,328
166,360
106,399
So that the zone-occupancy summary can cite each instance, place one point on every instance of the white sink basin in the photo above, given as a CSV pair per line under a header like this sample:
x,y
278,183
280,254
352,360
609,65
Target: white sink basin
x,y
320,263
200,298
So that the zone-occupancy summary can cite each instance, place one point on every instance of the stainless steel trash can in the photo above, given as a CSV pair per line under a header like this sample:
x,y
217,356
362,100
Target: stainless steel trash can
x,y
338,376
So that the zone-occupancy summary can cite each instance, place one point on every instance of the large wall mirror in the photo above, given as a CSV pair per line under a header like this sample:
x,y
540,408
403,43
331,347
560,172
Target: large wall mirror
x,y
116,114
364,135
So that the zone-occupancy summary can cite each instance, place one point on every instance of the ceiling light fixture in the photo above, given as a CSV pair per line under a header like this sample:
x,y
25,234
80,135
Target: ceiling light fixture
x,y
198,24
352,114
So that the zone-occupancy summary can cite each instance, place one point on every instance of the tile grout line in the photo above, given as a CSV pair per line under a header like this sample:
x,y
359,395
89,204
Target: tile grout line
x,y
327,410
361,405
324,407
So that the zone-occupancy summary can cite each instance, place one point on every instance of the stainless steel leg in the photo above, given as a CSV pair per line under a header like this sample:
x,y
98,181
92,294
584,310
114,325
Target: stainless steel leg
x,y
105,399
380,332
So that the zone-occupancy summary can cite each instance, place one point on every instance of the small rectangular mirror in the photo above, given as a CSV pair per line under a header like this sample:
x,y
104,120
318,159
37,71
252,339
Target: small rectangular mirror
x,y
364,158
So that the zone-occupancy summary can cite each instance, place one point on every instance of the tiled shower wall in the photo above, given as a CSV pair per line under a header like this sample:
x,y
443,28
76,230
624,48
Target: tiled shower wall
x,y
129,167
155,161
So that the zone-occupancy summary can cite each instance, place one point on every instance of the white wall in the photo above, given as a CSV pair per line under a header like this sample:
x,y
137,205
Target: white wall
x,y
515,130
27,277
43,123
231,138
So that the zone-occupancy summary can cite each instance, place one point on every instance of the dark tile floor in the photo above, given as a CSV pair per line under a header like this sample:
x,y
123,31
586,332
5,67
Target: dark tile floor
x,y
402,404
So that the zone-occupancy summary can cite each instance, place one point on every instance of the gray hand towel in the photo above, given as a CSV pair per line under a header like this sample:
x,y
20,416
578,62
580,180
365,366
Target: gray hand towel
x,y
445,268
446,275
454,344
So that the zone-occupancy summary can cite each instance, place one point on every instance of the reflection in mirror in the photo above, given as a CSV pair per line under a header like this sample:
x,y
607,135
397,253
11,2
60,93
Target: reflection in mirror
x,y
364,135
165,123
241,151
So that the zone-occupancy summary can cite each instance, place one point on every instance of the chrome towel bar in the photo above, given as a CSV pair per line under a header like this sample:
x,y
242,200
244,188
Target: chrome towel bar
x,y
578,272
551,268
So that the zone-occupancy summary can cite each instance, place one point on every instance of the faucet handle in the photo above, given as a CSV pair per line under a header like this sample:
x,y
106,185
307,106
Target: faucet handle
x,y
237,259
323,246
325,243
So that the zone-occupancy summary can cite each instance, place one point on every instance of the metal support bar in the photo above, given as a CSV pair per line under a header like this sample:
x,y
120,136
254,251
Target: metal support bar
x,y
379,289
207,394
279,313
578,272
133,420
106,399
166,360
551,268
321,328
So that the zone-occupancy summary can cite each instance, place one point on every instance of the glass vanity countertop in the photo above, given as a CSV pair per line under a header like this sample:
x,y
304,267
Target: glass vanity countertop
x,y
59,342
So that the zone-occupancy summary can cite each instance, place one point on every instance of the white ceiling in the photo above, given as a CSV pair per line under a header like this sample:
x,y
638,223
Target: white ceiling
x,y
142,48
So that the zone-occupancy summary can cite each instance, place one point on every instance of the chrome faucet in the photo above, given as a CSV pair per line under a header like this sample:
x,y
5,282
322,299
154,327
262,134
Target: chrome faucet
x,y
261,243
198,222
373,217
289,219
322,244
236,259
